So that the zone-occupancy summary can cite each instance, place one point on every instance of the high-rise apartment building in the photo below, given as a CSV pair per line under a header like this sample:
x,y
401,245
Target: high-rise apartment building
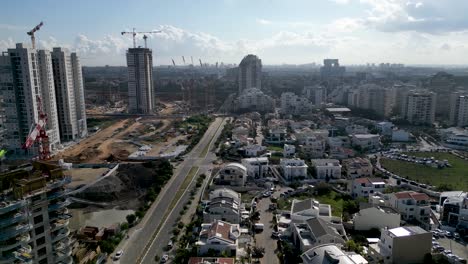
x,y
250,73
33,215
317,94
20,88
374,97
140,81
419,107
79,96
459,109
331,69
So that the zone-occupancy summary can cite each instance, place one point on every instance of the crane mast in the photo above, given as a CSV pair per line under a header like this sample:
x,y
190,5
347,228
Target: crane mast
x,y
31,33
134,33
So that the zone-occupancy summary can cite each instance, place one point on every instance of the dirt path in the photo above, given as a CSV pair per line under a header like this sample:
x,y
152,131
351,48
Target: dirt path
x,y
106,147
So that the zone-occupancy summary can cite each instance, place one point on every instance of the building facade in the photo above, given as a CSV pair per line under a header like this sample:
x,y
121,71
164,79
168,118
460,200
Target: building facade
x,y
140,81
419,107
250,73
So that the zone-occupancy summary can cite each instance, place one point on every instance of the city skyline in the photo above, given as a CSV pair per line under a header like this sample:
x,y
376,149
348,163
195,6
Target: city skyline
x,y
299,32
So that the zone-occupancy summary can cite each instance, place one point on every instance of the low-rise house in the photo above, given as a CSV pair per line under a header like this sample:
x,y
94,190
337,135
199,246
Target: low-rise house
x,y
289,151
363,187
211,260
253,150
357,168
365,141
340,153
256,167
276,136
234,174
303,210
414,207
400,135
220,236
385,128
293,169
454,137
331,254
327,168
356,129
313,147
317,231
375,216
301,124
302,134
405,245
454,211
224,205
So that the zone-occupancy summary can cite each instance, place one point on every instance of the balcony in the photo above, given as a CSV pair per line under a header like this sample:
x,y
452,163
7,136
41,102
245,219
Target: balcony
x,y
12,232
59,183
67,260
59,205
61,235
10,206
61,223
15,242
15,219
56,194
23,254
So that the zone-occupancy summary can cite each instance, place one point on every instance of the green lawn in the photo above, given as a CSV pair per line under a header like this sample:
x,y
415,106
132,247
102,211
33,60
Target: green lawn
x,y
456,176
275,148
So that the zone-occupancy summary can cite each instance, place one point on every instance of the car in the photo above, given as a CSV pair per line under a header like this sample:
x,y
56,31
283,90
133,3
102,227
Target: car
x,y
439,248
272,189
164,258
448,234
266,194
118,255
456,235
254,204
170,244
447,251
275,235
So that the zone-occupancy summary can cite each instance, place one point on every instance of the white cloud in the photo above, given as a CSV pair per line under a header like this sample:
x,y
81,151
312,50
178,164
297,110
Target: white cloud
x,y
341,2
346,24
263,21
6,44
12,27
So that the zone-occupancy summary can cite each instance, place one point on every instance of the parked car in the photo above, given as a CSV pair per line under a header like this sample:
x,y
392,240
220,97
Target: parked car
x,y
118,255
164,258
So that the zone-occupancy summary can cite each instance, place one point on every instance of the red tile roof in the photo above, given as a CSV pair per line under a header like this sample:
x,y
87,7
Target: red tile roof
x,y
221,228
201,260
412,195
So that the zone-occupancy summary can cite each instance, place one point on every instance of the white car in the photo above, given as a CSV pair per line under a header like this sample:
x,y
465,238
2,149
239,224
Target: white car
x,y
118,255
164,258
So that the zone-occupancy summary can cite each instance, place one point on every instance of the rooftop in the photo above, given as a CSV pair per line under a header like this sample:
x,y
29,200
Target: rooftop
x,y
412,195
330,253
406,231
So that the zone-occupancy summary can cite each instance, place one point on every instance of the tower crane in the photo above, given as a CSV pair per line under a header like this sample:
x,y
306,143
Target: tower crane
x,y
38,133
31,33
134,33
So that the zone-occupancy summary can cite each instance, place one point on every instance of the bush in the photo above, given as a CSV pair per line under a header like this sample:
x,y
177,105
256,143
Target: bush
x,y
131,219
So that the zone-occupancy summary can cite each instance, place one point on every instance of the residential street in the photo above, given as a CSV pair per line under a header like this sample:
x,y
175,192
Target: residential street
x,y
264,238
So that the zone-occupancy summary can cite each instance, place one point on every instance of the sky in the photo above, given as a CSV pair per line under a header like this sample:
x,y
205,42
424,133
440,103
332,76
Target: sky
x,y
278,31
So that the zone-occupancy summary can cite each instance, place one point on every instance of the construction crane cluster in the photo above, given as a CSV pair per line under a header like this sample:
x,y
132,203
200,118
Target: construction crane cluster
x,y
135,33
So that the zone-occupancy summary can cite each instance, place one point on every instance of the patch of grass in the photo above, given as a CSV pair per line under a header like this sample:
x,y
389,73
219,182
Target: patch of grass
x,y
275,148
455,176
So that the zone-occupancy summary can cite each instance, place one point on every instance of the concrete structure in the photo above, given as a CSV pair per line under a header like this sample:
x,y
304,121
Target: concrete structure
x,y
316,231
356,129
291,104
317,95
363,187
233,174
385,128
219,236
365,141
256,167
33,216
20,86
414,207
454,212
49,100
80,107
357,168
293,169
66,75
140,81
303,210
331,254
373,97
419,107
459,109
224,208
276,135
313,147
401,245
375,216
331,69
289,151
400,135
455,138
327,168
254,99
254,150
250,73
224,192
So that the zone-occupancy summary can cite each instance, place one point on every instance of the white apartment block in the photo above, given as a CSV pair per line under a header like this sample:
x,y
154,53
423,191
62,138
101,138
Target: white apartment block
x,y
405,245
289,151
317,95
331,253
459,109
20,87
79,96
374,97
293,169
140,81
65,93
419,107
375,216
412,206
219,236
327,168
454,212
365,141
357,168
306,209
254,99
250,73
364,187
291,104
256,167
233,174
49,100
313,147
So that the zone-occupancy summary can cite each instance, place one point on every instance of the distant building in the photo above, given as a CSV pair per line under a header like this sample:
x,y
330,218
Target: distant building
x,y
253,150
331,69
331,254
233,174
317,95
385,128
400,135
289,151
459,109
220,236
313,147
250,73
375,216
373,97
327,168
140,81
365,141
293,169
419,107
254,99
363,187
256,167
357,168
291,104
224,208
405,245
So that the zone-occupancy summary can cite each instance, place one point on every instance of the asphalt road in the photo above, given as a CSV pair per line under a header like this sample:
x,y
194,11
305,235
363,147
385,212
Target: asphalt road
x,y
264,239
141,235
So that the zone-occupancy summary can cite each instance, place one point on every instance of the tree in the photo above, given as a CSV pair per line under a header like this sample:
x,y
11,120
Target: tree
x,y
131,219
258,252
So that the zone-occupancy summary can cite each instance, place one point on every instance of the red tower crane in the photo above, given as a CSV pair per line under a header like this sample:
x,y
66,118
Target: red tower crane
x,y
38,133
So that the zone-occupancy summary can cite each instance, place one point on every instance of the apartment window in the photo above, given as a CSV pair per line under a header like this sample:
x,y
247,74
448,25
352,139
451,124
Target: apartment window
x,y
39,230
38,219
40,241
37,210
42,251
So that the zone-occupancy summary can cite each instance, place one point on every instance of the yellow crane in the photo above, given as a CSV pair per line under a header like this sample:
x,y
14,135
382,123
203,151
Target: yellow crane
x,y
134,33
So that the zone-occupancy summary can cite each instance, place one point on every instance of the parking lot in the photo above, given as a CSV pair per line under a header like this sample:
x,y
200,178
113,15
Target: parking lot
x,y
457,248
